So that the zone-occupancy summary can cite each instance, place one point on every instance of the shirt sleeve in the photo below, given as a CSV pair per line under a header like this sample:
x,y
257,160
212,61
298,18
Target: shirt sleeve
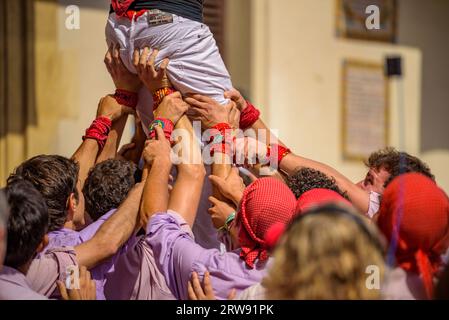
x,y
88,232
175,250
50,267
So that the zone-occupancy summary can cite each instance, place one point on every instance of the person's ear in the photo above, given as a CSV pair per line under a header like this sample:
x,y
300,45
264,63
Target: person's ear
x,y
43,244
71,209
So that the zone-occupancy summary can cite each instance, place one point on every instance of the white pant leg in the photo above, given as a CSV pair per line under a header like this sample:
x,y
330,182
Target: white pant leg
x,y
195,67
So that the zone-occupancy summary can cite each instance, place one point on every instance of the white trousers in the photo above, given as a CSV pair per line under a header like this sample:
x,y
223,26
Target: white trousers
x,y
195,66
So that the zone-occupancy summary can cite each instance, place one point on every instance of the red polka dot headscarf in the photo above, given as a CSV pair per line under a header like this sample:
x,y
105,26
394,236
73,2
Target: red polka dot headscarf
x,y
414,216
265,202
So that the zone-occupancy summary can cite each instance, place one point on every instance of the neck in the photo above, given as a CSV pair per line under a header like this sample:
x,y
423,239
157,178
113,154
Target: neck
x,y
69,225
25,267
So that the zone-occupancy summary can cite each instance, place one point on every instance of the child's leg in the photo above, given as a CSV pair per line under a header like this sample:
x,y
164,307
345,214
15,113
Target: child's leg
x,y
195,67
195,62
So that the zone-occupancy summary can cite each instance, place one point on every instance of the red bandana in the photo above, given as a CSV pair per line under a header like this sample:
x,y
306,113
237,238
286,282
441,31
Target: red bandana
x,y
415,211
316,197
265,202
121,6
306,201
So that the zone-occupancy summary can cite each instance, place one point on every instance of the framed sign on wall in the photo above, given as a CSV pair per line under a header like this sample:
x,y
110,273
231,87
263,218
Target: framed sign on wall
x,y
354,15
365,109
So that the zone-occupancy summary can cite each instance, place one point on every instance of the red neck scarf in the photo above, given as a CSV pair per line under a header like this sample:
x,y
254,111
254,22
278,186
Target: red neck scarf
x,y
414,216
121,6
264,203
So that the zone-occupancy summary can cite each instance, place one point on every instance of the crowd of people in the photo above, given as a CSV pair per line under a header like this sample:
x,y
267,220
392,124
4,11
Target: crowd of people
x,y
224,212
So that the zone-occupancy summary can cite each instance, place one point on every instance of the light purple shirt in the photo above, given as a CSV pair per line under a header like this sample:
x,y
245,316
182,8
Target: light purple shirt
x,y
14,286
136,276
67,237
177,256
48,268
402,285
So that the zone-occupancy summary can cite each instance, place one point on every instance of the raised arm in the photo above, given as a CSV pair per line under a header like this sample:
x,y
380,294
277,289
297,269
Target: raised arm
x,y
158,165
127,85
87,153
358,196
259,127
186,193
157,158
210,113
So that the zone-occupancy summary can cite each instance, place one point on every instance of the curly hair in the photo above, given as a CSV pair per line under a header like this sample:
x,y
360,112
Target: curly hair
x,y
55,177
306,179
397,163
325,254
107,186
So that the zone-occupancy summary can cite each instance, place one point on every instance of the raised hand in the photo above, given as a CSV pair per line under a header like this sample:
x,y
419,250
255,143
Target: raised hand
x,y
158,149
85,292
196,291
109,107
231,188
219,212
236,96
208,111
122,77
151,77
172,107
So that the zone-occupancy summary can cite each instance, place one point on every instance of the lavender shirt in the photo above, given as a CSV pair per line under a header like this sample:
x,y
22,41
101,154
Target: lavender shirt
x,y
67,237
48,268
14,286
402,285
136,276
177,255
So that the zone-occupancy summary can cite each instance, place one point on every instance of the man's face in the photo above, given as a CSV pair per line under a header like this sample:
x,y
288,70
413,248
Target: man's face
x,y
375,180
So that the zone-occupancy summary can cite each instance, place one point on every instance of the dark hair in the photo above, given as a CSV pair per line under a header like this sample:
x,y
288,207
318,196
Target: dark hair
x,y
306,179
397,163
4,209
107,186
27,224
55,177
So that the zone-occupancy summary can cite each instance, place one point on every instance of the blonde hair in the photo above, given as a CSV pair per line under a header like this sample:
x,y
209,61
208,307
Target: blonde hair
x,y
324,255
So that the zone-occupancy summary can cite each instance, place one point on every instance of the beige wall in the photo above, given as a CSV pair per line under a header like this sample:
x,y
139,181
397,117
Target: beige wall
x,y
424,24
238,43
297,76
70,74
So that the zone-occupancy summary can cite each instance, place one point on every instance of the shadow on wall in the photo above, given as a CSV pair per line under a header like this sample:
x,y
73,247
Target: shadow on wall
x,y
17,107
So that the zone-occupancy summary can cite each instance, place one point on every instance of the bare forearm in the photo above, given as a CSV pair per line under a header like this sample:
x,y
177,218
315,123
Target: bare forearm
x,y
220,168
110,149
155,193
263,133
139,142
113,233
358,197
85,156
186,194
